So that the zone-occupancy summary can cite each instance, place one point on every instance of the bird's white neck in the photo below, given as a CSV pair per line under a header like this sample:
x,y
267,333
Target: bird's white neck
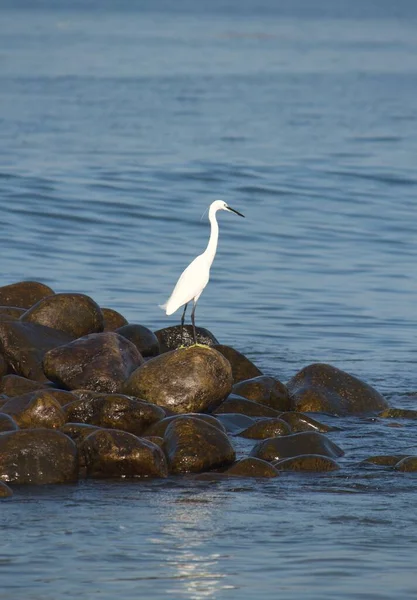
x,y
210,251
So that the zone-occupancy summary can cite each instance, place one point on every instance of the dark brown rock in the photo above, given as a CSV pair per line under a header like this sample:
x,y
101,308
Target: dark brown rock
x,y
5,491
3,399
296,444
3,366
193,379
23,294
192,445
38,456
75,314
264,390
170,337
15,385
115,411
155,439
11,313
159,428
7,423
300,422
112,453
266,428
307,462
35,409
407,464
238,404
242,367
99,361
252,467
144,339
398,413
25,344
235,422
78,432
384,460
112,319
323,388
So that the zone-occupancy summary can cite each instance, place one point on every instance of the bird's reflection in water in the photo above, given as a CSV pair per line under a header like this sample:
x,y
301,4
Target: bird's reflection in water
x,y
191,531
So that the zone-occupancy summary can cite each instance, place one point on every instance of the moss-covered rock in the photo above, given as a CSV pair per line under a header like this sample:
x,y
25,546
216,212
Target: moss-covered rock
x,y
242,367
23,294
7,423
307,462
35,409
159,428
252,467
266,428
112,319
264,390
301,422
170,338
296,444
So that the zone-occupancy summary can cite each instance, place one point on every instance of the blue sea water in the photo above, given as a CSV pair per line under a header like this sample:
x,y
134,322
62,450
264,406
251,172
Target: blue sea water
x,y
119,124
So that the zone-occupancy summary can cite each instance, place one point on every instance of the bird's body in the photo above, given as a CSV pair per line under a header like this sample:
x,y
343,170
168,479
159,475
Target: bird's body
x,y
196,276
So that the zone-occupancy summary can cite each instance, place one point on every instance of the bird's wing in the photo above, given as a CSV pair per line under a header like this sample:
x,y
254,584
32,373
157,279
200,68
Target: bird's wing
x,y
191,283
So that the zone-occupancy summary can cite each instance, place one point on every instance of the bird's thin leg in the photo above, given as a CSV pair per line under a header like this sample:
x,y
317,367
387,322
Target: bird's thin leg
x,y
182,323
193,321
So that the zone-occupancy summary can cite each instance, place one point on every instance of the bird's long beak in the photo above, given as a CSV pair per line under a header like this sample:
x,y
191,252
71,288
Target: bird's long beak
x,y
235,211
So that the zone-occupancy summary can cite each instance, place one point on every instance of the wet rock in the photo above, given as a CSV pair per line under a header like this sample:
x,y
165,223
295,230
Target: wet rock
x,y
3,366
407,465
5,491
35,409
237,404
384,460
75,314
11,313
78,432
99,361
296,444
112,453
159,428
112,319
324,388
307,462
187,380
398,413
144,339
266,428
252,467
264,390
192,445
155,439
7,423
115,411
242,367
23,294
25,344
15,385
170,337
3,399
234,422
300,422
37,456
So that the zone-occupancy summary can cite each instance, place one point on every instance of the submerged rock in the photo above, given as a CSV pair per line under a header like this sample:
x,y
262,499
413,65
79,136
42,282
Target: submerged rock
x,y
99,361
170,337
264,390
112,319
242,367
324,388
238,404
37,456
35,409
187,380
193,446
266,428
307,462
252,467
235,422
296,444
143,338
398,413
75,314
25,344
159,428
407,464
384,460
23,294
300,422
112,453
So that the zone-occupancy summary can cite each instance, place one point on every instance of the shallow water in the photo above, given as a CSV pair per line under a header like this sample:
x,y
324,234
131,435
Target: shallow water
x,y
117,129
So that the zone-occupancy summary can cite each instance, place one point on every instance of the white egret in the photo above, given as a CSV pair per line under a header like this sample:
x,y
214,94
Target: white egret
x,y
196,276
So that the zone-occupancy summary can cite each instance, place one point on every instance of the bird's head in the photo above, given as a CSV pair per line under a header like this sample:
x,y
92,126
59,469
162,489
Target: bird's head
x,y
221,205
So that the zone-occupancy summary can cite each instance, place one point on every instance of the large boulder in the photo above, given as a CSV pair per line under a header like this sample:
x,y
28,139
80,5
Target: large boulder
x,y
324,388
23,294
296,444
38,456
35,409
191,445
144,339
170,338
112,453
242,367
24,345
99,361
115,411
193,379
75,314
264,390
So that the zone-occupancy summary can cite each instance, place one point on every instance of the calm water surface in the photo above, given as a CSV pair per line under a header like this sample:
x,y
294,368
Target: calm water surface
x,y
117,128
